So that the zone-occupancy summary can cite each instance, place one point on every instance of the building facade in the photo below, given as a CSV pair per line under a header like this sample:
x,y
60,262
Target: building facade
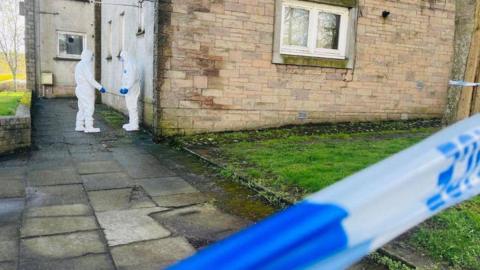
x,y
224,75
56,34
128,25
231,65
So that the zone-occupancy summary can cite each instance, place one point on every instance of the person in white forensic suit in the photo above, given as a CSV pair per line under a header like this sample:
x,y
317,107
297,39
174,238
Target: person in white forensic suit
x,y
131,89
85,92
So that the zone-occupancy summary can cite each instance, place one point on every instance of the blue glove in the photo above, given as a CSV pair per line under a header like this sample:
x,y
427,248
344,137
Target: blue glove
x,y
123,91
103,90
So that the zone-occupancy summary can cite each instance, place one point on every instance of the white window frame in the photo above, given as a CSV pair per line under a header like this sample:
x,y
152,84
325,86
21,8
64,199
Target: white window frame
x,y
109,38
311,49
122,32
141,16
70,56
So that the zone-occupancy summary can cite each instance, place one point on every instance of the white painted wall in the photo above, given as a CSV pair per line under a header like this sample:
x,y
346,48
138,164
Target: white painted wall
x,y
68,16
139,46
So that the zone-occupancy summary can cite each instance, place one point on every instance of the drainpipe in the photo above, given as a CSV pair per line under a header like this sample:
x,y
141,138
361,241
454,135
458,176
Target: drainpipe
x,y
156,83
98,47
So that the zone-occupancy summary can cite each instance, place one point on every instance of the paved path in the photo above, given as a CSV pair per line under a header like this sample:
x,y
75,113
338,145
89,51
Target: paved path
x,y
99,201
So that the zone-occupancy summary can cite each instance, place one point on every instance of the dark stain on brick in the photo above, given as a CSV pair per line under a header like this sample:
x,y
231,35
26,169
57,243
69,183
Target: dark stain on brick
x,y
211,72
210,67
207,102
198,7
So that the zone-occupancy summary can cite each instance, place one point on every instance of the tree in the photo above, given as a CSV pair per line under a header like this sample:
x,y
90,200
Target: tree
x,y
11,35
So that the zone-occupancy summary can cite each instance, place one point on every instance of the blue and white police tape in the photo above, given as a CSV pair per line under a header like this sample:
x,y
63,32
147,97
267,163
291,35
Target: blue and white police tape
x,y
337,226
463,84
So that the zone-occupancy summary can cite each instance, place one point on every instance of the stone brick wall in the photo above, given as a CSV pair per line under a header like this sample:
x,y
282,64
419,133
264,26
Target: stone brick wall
x,y
219,72
15,131
30,55
465,26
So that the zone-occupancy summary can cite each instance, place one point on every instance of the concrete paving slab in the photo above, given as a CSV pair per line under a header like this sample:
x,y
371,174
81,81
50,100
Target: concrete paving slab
x,y
200,224
50,177
85,148
61,246
49,155
119,199
13,172
155,254
128,150
166,186
106,181
48,139
74,134
179,200
142,166
49,164
96,167
54,225
20,159
91,156
55,195
81,140
128,226
58,211
8,266
8,250
94,261
8,232
8,242
11,210
12,188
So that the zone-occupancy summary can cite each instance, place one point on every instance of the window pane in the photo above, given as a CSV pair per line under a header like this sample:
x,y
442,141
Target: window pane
x,y
296,27
70,44
328,30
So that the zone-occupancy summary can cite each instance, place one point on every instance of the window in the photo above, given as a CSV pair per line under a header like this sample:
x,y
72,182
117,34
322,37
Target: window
x,y
141,17
312,29
70,45
109,39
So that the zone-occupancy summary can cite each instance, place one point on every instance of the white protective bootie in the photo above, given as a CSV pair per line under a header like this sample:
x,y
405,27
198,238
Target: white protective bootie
x,y
130,127
91,130
80,127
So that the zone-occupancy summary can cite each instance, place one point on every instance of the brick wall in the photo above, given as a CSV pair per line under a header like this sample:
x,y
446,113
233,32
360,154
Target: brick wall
x,y
15,131
219,72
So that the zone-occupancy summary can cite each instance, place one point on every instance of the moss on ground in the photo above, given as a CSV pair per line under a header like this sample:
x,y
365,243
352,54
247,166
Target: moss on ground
x,y
112,117
295,161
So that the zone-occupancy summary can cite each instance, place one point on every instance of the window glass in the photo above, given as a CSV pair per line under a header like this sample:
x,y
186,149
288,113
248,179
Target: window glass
x,y
296,23
328,30
312,29
70,44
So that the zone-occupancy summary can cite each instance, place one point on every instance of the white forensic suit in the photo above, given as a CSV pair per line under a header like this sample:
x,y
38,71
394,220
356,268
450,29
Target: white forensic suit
x,y
131,89
85,92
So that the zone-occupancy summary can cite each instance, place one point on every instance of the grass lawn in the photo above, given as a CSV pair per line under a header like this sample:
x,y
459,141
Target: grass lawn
x,y
453,236
300,164
9,102
315,162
